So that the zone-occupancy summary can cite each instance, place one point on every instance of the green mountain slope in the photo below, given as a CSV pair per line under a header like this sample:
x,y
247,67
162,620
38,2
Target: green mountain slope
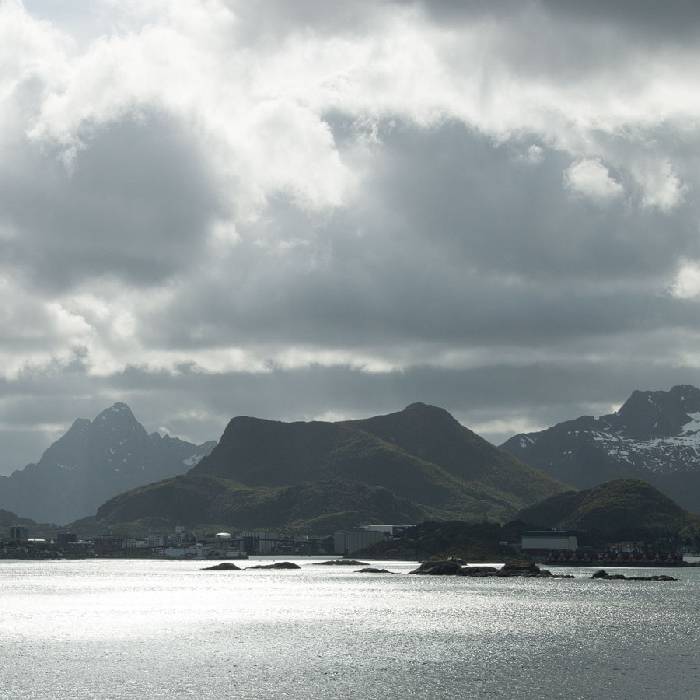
x,y
432,434
623,505
406,467
196,500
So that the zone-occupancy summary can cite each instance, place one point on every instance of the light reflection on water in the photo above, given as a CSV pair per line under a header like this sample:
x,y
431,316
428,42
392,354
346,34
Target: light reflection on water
x,y
150,629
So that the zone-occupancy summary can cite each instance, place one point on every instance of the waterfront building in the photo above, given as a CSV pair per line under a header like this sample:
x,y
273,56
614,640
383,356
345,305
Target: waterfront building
x,y
388,530
349,541
548,541
156,541
65,538
18,533
109,544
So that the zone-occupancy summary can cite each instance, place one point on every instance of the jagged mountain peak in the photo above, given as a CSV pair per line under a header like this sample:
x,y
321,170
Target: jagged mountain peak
x,y
684,390
655,436
92,461
420,458
117,413
654,414
680,395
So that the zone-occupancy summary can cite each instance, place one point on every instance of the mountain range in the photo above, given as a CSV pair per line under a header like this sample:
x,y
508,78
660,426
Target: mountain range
x,y
654,436
93,461
407,466
620,510
413,465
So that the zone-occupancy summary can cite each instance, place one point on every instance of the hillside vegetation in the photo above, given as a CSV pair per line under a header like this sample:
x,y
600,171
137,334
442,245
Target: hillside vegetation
x,y
409,466
625,507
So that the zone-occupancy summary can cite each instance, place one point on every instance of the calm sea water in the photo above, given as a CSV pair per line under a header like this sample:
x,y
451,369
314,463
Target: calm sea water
x,y
149,629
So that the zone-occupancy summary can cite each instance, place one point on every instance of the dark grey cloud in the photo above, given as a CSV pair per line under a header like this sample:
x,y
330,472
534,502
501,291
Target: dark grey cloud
x,y
135,203
453,240
673,20
495,227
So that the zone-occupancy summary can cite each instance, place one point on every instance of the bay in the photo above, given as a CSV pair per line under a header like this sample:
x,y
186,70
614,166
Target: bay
x,y
156,629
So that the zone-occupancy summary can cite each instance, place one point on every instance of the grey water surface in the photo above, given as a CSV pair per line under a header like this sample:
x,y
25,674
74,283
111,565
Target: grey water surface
x,y
155,629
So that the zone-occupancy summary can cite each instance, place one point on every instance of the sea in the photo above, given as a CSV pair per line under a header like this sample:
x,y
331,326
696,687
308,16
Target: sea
x,y
157,629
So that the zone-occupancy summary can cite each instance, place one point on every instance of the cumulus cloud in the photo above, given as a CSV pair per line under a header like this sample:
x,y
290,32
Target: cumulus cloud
x,y
687,282
662,187
591,178
307,209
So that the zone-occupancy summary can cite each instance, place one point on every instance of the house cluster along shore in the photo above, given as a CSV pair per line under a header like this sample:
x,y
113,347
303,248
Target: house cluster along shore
x,y
558,548
186,544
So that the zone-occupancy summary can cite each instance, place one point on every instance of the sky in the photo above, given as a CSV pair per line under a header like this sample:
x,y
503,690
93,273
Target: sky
x,y
326,210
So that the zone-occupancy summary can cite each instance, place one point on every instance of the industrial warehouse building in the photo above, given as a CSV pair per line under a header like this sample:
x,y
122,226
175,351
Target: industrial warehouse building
x,y
549,541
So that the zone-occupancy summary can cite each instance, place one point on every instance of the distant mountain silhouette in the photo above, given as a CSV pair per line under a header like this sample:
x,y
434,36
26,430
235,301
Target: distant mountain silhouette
x,y
9,519
405,466
93,461
655,436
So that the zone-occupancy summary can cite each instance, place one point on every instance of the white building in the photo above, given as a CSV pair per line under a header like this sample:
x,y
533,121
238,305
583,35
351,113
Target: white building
x,y
155,540
549,541
388,530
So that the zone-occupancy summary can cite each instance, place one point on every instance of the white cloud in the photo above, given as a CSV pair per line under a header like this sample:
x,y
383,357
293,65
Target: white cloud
x,y
662,188
535,154
590,178
687,282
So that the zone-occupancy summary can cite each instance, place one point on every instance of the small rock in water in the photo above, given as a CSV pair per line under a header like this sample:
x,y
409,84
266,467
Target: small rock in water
x,y
224,566
512,569
373,570
602,573
447,567
276,565
341,562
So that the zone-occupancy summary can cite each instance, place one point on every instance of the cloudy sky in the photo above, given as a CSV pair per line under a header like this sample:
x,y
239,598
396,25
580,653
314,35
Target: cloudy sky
x,y
330,209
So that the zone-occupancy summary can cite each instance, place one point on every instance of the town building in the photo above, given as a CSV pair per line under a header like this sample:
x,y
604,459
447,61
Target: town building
x,y
350,541
388,530
544,541
18,533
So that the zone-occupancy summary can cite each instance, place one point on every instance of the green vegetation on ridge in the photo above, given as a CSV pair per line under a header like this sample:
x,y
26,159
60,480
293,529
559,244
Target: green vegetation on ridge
x,y
408,466
627,508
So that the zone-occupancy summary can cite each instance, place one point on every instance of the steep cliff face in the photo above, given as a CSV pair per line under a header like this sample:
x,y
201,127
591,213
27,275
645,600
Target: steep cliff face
x,y
93,461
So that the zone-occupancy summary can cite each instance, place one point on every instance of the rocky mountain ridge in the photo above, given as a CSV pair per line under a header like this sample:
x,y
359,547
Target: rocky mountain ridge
x,y
401,467
93,461
654,436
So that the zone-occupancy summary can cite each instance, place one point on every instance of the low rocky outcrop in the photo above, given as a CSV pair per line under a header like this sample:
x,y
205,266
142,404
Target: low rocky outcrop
x,y
275,565
522,568
453,567
341,562
374,570
447,567
602,573
224,566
